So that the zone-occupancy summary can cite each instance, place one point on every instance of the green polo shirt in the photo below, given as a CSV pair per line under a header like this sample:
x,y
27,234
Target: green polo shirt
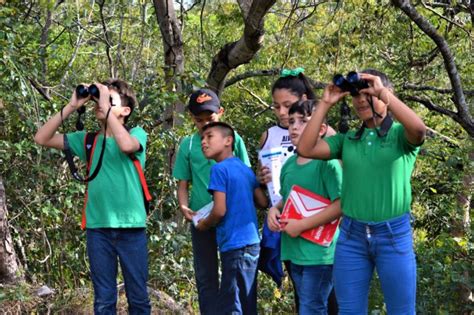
x,y
191,165
115,198
376,173
323,178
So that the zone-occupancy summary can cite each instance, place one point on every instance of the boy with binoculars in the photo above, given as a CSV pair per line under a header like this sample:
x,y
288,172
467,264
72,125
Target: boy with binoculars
x,y
114,211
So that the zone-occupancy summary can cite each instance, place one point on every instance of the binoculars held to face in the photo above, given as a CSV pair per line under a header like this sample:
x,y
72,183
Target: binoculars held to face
x,y
350,83
83,91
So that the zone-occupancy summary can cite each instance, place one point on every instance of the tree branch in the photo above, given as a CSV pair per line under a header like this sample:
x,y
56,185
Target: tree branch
x,y
414,87
41,90
429,8
258,98
251,74
106,36
242,51
464,121
450,65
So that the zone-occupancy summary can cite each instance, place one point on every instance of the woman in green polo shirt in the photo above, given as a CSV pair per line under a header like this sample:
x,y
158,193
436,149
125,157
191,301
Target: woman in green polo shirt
x,y
378,160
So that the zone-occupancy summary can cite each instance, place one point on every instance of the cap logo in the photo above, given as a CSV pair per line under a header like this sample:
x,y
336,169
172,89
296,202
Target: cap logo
x,y
203,98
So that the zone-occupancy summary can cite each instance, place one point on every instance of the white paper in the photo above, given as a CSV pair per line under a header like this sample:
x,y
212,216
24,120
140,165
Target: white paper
x,y
202,213
274,158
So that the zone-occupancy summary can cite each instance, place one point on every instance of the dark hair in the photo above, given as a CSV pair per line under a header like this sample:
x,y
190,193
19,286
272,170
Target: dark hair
x,y
385,80
304,108
225,129
127,95
297,85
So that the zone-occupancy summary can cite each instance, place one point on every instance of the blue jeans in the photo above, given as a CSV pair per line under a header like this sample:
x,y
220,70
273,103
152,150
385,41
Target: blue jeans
x,y
206,268
129,245
313,284
238,291
388,247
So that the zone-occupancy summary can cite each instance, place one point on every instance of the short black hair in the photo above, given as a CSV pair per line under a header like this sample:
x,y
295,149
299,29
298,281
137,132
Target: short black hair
x,y
225,129
304,108
383,77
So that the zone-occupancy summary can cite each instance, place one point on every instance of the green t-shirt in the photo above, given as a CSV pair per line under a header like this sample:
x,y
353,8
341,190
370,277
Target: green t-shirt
x,y
115,198
323,178
376,173
191,165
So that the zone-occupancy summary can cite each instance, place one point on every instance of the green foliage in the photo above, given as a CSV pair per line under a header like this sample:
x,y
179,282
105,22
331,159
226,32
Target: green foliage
x,y
45,203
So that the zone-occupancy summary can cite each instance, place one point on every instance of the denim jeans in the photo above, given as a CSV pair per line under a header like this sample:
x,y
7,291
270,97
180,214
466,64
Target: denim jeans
x,y
238,291
206,268
129,245
388,247
313,284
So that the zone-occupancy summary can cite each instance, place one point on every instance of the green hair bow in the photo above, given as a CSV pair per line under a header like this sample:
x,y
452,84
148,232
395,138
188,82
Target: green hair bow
x,y
291,72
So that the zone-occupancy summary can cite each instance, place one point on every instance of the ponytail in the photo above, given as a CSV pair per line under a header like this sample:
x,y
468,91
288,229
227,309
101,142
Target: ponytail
x,y
296,82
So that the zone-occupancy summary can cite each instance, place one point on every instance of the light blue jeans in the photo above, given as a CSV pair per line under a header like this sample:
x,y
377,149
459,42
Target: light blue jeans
x,y
387,246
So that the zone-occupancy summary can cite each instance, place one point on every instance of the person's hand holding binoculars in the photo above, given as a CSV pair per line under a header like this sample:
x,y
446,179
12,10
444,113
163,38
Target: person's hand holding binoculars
x,y
331,95
97,92
81,95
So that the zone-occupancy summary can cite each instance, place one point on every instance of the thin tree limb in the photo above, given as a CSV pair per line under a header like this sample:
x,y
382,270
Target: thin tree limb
x,y
463,114
106,37
414,87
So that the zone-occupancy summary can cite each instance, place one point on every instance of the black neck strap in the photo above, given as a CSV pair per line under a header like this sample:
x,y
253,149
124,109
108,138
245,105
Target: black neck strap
x,y
387,123
70,158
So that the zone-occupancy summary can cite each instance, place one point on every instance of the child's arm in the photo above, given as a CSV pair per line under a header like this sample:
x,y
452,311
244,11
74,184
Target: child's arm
x,y
294,227
309,146
273,217
183,197
217,213
415,129
261,200
127,143
47,135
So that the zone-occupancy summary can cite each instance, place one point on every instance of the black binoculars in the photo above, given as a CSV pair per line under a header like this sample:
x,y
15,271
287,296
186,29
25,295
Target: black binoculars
x,y
350,83
84,91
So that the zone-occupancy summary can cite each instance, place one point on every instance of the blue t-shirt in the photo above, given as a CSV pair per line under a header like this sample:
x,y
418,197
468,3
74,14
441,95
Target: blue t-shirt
x,y
238,228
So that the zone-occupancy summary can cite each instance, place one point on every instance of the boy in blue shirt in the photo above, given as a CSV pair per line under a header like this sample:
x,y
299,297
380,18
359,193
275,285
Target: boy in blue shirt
x,y
192,170
235,189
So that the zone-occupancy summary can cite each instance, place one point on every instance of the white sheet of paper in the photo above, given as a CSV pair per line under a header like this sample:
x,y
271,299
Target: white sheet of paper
x,y
274,158
202,213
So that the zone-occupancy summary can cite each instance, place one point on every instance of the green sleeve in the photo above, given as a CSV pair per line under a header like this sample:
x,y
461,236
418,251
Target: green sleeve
x,y
240,150
182,165
141,136
407,146
332,179
76,143
335,145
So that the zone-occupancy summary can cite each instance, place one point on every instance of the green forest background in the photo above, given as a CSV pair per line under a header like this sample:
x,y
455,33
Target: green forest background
x,y
48,47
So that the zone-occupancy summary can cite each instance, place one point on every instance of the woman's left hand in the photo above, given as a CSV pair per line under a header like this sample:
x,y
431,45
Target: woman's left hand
x,y
376,86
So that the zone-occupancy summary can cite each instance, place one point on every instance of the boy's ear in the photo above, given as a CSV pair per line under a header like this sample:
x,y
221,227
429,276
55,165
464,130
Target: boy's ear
x,y
304,97
220,112
228,141
125,111
323,130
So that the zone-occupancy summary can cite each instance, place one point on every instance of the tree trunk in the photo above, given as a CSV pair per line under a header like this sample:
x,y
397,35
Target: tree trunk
x,y
170,28
10,269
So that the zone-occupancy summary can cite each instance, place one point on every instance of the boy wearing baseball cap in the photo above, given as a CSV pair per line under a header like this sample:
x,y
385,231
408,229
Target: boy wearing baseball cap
x,y
192,167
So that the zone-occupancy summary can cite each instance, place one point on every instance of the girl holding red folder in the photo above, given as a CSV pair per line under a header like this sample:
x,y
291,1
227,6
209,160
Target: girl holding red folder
x,y
310,263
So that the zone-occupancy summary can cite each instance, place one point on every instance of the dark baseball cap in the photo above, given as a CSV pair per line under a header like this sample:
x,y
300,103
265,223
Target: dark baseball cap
x,y
203,100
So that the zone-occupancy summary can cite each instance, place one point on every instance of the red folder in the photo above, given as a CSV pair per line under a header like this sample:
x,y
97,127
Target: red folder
x,y
302,203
